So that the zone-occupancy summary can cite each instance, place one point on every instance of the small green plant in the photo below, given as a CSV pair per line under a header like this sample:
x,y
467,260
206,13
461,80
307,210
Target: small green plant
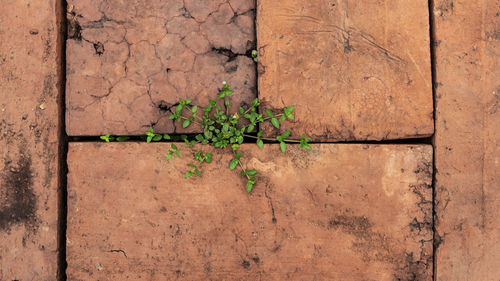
x,y
222,129
255,55
109,138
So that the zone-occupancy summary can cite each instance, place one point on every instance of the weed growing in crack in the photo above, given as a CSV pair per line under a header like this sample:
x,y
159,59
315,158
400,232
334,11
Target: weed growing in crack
x,y
109,138
255,56
222,129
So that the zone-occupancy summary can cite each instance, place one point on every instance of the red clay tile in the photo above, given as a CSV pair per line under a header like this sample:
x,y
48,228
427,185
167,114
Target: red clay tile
x,y
467,142
355,70
338,212
128,62
29,127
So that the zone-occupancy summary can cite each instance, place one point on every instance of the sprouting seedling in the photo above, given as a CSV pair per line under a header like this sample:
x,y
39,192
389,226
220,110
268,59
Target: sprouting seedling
x,y
254,56
151,136
222,129
109,138
201,157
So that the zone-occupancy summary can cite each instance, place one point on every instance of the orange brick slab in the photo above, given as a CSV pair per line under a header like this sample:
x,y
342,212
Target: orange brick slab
x,y
338,212
29,126
467,139
355,70
129,62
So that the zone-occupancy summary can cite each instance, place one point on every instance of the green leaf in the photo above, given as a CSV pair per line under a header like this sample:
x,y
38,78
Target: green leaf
x,y
185,123
188,174
122,138
254,56
105,138
170,154
275,122
157,138
225,93
198,156
191,165
250,186
251,172
148,140
269,113
288,112
307,146
208,157
238,155
283,147
286,134
194,109
166,136
233,164
174,147
260,143
250,128
255,102
197,171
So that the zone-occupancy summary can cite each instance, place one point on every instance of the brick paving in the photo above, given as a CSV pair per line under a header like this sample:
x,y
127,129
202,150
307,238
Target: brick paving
x,y
354,70
467,142
29,127
130,61
350,212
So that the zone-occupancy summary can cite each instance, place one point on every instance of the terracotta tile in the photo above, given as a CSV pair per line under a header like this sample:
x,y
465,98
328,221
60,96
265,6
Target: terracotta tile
x,y
29,127
355,70
349,212
467,139
128,62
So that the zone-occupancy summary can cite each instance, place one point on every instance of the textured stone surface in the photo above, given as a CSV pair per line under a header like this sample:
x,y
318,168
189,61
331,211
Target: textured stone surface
x,y
354,70
339,212
28,139
128,62
467,139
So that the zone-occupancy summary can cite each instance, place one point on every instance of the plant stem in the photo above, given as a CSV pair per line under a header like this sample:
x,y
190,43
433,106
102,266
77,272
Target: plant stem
x,y
270,139
182,117
248,110
275,116
191,110
244,171
241,166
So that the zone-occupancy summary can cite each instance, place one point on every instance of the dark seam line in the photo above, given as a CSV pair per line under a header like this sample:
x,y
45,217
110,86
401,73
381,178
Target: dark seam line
x,y
434,83
61,9
136,138
256,65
